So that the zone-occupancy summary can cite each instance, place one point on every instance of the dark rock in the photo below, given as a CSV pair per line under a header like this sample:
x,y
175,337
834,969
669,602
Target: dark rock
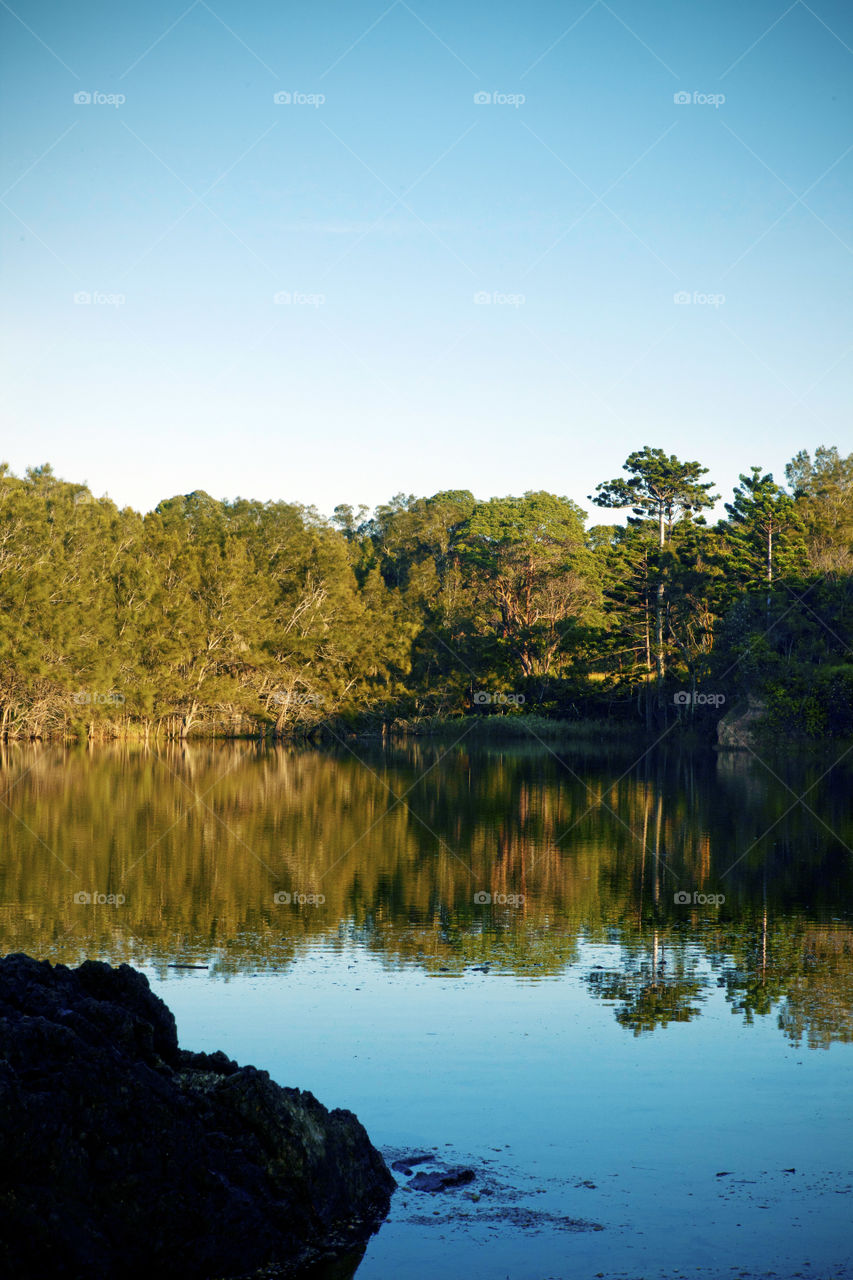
x,y
738,728
444,1180
405,1164
123,1156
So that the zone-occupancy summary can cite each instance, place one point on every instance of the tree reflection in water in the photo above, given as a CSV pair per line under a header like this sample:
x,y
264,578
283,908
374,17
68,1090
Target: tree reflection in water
x,y
573,848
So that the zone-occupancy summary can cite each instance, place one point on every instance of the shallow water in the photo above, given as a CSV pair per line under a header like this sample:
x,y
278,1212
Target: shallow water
x,y
676,1073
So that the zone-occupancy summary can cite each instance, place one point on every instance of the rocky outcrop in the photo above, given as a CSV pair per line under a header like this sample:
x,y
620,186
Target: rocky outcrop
x,y
122,1155
738,727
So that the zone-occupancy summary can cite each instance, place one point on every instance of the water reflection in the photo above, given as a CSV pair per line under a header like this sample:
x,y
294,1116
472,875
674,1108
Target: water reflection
x,y
694,868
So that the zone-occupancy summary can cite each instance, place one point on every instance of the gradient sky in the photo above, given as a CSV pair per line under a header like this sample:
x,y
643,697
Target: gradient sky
x,y
385,210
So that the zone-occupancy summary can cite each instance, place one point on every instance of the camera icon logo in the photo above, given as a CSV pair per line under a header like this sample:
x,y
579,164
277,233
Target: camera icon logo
x,y
681,898
282,899
681,98
82,99
482,99
482,899
82,898
282,98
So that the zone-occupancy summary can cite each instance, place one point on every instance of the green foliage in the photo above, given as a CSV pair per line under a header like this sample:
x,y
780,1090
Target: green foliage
x,y
823,489
246,618
658,487
765,534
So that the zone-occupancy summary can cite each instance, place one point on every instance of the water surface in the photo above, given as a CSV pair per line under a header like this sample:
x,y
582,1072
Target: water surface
x,y
621,988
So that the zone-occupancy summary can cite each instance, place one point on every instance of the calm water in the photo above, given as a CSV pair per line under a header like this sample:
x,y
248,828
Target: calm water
x,y
610,1049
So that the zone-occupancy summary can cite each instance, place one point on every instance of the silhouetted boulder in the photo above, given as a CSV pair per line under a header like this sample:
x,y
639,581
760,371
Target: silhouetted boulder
x,y
123,1156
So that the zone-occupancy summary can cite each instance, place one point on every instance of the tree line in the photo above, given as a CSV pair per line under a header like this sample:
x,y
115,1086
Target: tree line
x,y
246,617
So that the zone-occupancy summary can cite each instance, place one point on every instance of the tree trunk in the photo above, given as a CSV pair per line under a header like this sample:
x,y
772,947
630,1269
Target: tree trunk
x,y
648,636
769,568
659,606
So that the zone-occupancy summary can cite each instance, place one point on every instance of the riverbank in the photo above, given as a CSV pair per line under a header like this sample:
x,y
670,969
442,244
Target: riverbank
x,y
745,726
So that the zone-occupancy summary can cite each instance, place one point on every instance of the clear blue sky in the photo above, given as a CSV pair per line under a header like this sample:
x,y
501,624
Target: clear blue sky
x,y
382,211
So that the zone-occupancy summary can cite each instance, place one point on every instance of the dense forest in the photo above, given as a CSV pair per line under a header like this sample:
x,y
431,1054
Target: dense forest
x,y
247,617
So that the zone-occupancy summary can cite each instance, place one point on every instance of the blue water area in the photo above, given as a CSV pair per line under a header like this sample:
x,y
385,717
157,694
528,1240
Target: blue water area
x,y
617,988
538,1079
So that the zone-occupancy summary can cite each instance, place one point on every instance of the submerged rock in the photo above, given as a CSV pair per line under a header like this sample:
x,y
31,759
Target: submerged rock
x,y
505,1200
405,1165
442,1180
123,1156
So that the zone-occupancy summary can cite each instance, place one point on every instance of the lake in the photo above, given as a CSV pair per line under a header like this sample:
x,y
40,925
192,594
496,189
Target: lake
x,y
619,988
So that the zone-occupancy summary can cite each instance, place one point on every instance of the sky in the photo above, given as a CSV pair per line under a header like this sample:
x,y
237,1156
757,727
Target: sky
x,y
328,253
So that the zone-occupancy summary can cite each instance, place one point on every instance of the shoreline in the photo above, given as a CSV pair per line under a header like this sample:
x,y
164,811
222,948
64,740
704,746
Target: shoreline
x,y
594,731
